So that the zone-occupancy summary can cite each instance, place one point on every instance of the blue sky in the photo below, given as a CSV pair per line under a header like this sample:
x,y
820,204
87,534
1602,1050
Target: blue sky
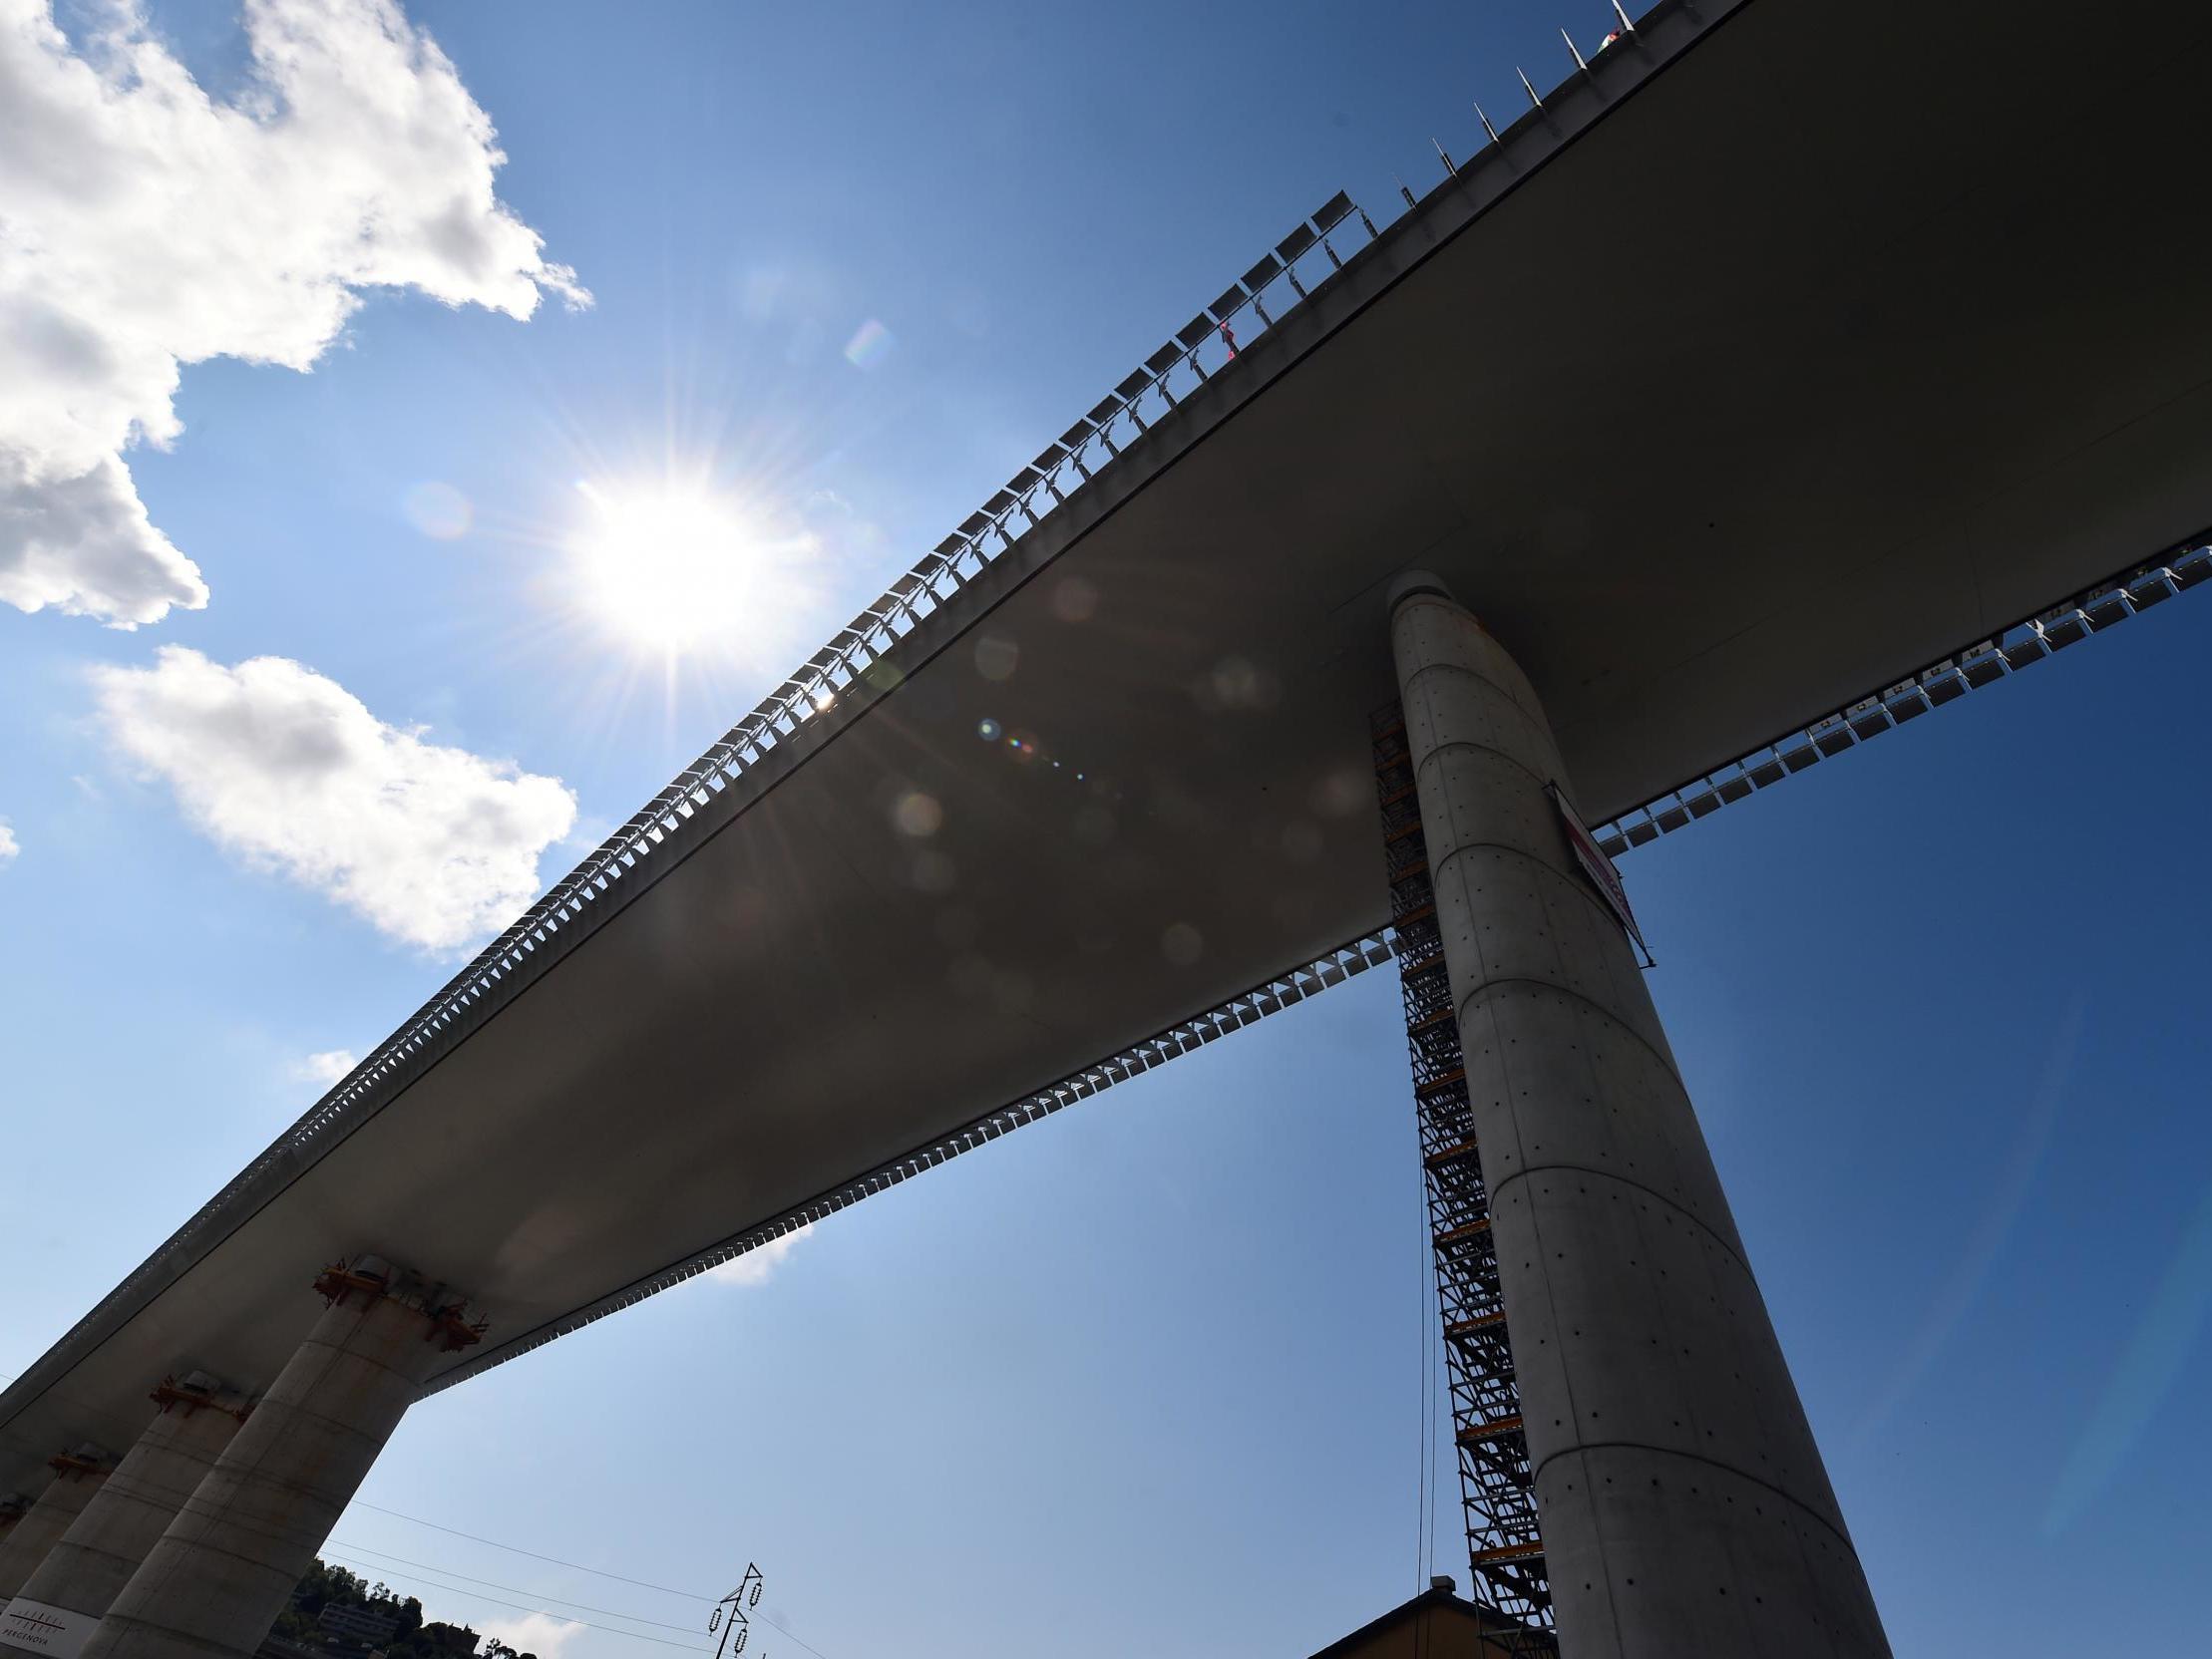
x,y
1150,1373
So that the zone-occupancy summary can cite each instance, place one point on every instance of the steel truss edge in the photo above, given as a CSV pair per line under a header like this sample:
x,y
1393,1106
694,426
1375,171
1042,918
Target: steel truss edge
x,y
1272,996
1972,666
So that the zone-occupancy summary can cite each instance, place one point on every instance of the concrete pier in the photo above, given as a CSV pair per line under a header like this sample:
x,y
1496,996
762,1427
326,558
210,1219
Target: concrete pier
x,y
218,1575
78,1474
61,1603
1683,1506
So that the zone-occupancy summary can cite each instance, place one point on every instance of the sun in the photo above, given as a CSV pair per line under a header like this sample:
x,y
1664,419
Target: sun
x,y
675,567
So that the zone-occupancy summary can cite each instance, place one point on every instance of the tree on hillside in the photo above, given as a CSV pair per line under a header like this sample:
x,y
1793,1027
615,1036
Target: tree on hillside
x,y
324,1586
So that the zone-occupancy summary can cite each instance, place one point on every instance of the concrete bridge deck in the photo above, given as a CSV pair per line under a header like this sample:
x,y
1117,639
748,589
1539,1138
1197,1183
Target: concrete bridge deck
x,y
1797,345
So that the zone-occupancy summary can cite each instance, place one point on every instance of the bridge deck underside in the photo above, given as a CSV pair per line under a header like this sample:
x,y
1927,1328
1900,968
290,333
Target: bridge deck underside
x,y
1855,335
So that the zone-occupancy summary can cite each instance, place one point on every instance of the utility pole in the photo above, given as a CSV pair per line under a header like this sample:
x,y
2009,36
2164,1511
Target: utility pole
x,y
729,1614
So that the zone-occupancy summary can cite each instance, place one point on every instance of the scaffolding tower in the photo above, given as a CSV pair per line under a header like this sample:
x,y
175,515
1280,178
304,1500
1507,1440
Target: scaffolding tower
x,y
1505,1553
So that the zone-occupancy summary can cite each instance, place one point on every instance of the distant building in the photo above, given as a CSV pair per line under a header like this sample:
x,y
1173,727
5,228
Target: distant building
x,y
357,1624
1436,1625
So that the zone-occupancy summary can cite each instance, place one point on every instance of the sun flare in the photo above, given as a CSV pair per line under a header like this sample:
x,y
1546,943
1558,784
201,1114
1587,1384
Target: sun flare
x,y
673,569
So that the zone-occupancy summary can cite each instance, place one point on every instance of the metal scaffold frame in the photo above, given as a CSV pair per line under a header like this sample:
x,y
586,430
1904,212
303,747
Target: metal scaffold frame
x,y
1505,1552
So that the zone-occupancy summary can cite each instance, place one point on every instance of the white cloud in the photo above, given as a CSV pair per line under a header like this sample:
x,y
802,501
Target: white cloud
x,y
755,1265
289,771
539,1633
144,226
326,1067
9,846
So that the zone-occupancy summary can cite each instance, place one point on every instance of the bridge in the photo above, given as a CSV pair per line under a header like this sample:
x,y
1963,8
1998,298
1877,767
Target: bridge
x,y
1786,372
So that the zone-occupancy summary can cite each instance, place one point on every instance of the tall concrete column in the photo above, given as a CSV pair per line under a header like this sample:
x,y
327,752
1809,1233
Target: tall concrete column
x,y
1682,1503
60,1604
223,1571
76,1477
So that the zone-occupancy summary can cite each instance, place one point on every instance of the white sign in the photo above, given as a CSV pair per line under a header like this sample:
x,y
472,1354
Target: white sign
x,y
44,1629
1597,866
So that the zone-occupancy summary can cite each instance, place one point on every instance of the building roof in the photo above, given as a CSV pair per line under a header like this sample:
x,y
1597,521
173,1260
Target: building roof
x,y
1436,1625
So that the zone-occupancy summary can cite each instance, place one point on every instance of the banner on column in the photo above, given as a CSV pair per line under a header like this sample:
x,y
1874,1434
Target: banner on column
x,y
39,1628
1597,866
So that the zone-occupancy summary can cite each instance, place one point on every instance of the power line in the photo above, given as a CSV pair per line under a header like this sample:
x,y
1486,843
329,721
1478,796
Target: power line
x,y
579,1566
784,1630
543,1613
495,1584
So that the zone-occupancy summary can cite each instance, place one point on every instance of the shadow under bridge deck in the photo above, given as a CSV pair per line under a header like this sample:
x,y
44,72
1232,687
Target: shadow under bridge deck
x,y
1794,346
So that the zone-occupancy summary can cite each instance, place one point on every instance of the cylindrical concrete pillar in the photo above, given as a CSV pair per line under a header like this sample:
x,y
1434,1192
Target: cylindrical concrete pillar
x,y
76,1477
61,1603
219,1574
1681,1500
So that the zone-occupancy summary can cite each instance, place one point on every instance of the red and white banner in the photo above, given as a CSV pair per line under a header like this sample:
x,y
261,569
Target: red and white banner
x,y
1597,866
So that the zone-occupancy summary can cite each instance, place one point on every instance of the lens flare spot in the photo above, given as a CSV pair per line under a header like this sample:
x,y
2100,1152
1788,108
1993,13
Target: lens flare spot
x,y
870,345
1235,683
439,510
1182,944
1342,794
1075,601
917,815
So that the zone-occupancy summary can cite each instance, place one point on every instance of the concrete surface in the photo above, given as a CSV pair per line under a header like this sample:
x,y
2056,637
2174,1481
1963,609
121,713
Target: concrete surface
x,y
1782,354
1683,1506
222,1569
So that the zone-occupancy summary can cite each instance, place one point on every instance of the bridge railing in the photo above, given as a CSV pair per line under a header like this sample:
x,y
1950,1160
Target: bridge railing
x,y
2004,653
